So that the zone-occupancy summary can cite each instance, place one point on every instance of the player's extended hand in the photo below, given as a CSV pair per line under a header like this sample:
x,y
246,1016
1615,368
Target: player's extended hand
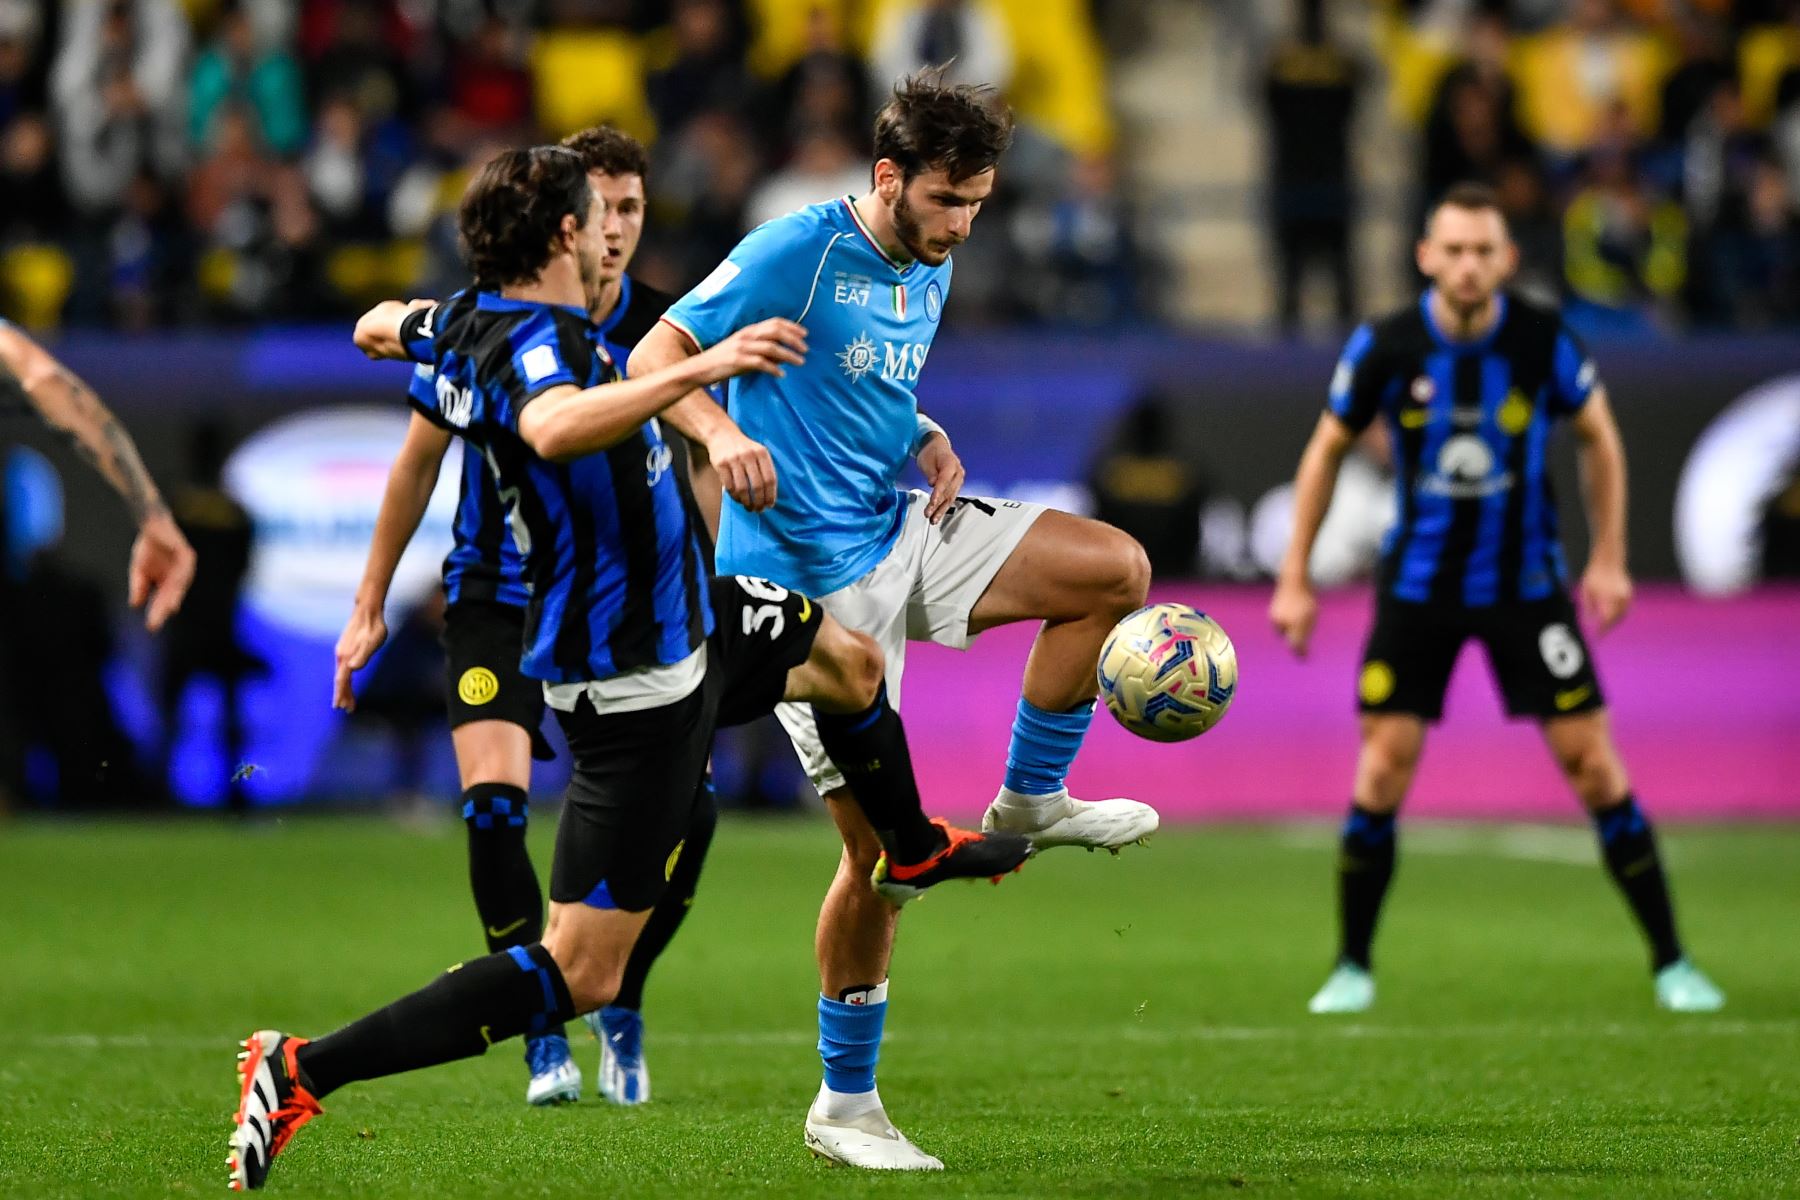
x,y
162,566
1605,594
943,470
765,346
362,637
1294,611
746,469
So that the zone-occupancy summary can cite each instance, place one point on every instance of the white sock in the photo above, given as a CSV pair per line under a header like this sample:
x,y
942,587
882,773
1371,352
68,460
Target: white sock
x,y
846,1106
1011,799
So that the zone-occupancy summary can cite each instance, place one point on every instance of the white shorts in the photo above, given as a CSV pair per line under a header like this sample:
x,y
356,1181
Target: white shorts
x,y
922,591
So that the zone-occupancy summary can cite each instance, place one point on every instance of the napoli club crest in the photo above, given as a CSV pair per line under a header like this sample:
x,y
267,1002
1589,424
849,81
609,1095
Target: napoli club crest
x,y
934,300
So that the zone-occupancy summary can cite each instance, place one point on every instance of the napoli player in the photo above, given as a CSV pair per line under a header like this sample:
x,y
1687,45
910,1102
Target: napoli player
x,y
652,655
495,710
815,503
1471,381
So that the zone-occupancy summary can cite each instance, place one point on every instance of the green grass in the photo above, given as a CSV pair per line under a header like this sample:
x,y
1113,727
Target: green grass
x,y
1093,1028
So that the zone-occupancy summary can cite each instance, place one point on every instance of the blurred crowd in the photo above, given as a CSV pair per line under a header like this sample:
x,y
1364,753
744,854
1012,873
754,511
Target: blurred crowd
x,y
170,162
1647,151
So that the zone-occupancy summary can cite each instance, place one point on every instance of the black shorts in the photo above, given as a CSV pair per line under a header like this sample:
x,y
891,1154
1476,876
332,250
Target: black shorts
x,y
635,775
1539,657
483,641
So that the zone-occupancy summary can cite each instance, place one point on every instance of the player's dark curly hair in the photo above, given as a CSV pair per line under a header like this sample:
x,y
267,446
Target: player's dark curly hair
x,y
932,125
512,213
609,151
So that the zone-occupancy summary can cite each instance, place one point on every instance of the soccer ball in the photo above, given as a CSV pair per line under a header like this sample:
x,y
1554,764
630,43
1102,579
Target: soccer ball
x,y
1168,672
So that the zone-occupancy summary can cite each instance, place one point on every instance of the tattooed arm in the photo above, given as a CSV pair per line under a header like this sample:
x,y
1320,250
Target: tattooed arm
x,y
162,562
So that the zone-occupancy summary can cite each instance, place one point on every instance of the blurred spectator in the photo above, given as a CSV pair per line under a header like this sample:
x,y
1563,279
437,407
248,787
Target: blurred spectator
x,y
971,36
489,85
1472,130
825,164
1310,88
1574,78
827,87
352,60
1145,487
201,639
1074,254
22,74
264,79
1532,218
706,182
118,93
1625,249
36,208
1689,88
1721,159
706,73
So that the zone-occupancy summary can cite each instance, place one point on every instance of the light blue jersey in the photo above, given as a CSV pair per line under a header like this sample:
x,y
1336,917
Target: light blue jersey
x,y
842,427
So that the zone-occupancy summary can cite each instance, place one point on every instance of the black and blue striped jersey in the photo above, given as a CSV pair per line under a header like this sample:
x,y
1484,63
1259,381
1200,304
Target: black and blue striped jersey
x,y
615,569
484,563
1471,425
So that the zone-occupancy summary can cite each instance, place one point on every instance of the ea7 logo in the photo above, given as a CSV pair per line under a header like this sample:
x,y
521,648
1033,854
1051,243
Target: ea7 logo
x,y
456,403
904,360
852,289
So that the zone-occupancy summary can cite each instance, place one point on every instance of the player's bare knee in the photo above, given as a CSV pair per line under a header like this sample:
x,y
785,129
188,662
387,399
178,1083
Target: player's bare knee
x,y
857,668
861,850
592,982
1126,584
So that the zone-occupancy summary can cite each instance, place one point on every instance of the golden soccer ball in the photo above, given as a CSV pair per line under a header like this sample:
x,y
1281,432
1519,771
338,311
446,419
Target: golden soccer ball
x,y
1168,672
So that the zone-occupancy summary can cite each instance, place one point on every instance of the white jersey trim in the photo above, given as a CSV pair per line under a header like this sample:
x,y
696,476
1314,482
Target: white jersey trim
x,y
634,691
817,274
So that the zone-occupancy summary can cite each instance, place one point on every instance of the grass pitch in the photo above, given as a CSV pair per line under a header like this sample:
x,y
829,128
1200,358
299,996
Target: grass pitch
x,y
1092,1028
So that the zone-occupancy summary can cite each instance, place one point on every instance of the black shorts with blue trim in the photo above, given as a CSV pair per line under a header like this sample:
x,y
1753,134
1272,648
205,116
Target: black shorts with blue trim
x,y
635,775
483,642
1540,658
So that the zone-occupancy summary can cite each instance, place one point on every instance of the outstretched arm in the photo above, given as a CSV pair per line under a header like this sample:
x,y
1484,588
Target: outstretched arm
x,y
162,562
565,422
378,330
741,466
1605,587
410,483
1295,608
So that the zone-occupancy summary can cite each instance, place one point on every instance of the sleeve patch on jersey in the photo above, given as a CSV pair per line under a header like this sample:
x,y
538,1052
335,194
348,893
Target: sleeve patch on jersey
x,y
715,283
539,362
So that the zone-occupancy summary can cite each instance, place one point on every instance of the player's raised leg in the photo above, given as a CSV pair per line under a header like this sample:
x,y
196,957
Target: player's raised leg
x,y
1583,747
1391,745
1078,577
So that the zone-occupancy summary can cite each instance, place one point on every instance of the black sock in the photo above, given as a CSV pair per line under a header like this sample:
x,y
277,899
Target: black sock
x,y
1629,845
672,909
1365,865
507,895
869,747
457,1015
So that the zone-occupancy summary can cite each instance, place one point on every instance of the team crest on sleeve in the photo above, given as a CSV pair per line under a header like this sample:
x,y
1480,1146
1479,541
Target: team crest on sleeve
x,y
539,363
934,300
858,358
715,283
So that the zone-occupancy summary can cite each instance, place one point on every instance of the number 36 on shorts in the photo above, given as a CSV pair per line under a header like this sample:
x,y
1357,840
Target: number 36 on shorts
x,y
768,618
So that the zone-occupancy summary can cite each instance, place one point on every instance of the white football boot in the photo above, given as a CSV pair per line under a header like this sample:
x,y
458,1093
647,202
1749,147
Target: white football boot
x,y
1061,820
868,1140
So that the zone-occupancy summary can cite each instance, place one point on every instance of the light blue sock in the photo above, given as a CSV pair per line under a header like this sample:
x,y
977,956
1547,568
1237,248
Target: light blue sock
x,y
1043,746
850,1042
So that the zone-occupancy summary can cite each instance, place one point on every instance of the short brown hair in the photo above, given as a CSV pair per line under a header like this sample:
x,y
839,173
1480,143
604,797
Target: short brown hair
x,y
931,125
609,151
512,213
1469,196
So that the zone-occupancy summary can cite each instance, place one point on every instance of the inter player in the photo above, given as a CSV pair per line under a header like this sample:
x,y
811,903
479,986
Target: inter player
x,y
619,607
868,278
495,711
1471,382
162,562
